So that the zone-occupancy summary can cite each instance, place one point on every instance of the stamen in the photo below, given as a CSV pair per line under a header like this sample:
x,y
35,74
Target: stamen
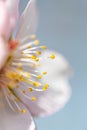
x,y
52,56
15,76
33,98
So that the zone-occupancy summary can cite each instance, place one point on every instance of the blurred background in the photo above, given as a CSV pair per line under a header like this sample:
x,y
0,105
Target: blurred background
x,y
63,27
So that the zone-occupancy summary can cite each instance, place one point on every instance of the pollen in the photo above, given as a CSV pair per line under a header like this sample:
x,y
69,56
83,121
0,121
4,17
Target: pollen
x,y
39,76
36,42
45,87
27,74
21,52
20,64
36,84
37,59
30,89
11,84
34,57
33,98
23,111
44,47
44,73
52,56
20,68
29,46
23,70
38,52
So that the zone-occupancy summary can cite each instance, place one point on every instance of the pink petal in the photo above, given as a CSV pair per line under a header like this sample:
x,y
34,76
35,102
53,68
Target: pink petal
x,y
28,21
10,120
8,17
4,51
58,92
13,8
4,20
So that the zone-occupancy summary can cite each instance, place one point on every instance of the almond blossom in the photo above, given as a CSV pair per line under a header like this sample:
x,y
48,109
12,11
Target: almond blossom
x,y
33,79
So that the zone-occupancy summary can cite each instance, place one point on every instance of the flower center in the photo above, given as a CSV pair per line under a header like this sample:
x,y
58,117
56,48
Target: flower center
x,y
20,70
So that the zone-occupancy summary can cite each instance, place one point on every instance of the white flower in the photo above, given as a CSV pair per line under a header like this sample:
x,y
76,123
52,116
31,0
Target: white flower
x,y
33,80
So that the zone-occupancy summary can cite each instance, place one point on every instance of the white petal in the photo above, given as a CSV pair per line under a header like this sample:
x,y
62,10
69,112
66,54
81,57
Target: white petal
x,y
10,120
28,21
59,90
55,68
49,101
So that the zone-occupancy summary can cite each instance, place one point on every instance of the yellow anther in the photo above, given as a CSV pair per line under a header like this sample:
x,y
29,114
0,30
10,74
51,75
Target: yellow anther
x,y
32,36
36,42
44,73
19,99
21,78
39,76
23,111
33,57
29,46
11,84
20,68
16,81
36,84
21,52
43,47
45,87
52,56
30,89
11,75
27,74
38,52
37,59
20,65
33,98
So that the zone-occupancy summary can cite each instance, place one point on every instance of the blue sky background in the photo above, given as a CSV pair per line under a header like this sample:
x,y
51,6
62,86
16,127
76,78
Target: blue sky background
x,y
63,27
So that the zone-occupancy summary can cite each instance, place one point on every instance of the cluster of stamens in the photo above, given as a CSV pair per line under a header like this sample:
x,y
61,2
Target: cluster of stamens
x,y
21,69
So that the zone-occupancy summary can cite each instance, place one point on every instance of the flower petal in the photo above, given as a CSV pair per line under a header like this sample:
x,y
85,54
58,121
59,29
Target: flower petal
x,y
4,51
55,68
13,8
28,21
49,101
9,16
10,120
58,93
12,5
4,20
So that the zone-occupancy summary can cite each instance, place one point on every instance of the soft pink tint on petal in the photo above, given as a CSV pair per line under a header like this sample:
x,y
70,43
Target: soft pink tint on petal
x,y
8,17
10,120
4,20
4,51
13,8
59,90
28,21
